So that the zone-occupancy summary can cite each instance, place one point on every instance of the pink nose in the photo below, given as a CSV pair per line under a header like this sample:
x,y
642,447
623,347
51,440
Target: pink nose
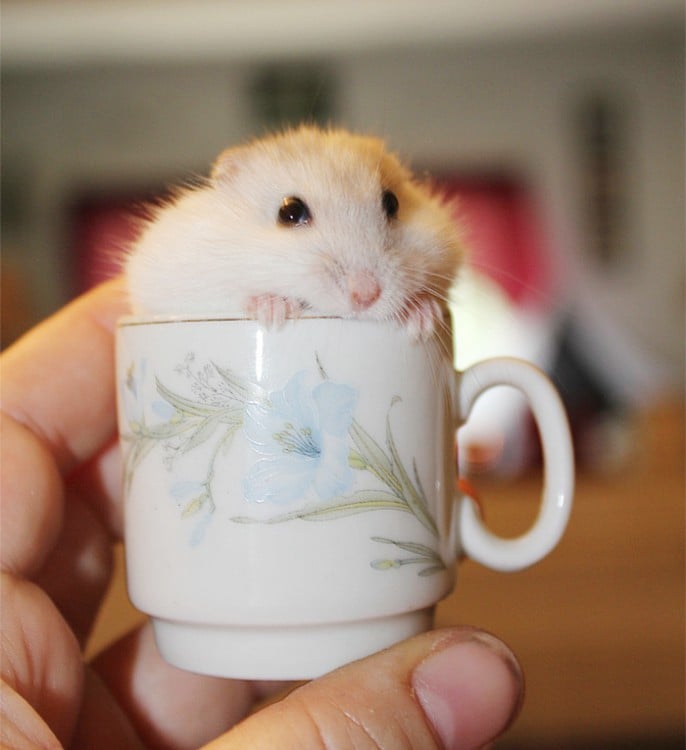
x,y
364,289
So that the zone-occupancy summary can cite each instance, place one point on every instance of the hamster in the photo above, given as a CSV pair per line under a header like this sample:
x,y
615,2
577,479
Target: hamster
x,y
323,221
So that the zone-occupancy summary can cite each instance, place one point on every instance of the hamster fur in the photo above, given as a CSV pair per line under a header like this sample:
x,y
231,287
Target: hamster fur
x,y
319,220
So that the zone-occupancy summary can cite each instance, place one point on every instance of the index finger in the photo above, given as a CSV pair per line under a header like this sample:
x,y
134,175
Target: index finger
x,y
58,380
58,412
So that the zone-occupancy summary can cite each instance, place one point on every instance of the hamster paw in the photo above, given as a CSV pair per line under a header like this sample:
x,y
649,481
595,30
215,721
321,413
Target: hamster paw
x,y
422,316
273,310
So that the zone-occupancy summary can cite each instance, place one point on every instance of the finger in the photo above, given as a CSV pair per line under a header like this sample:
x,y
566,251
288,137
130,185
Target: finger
x,y
98,483
41,661
169,707
21,725
57,412
78,570
64,546
58,380
449,689
31,499
102,723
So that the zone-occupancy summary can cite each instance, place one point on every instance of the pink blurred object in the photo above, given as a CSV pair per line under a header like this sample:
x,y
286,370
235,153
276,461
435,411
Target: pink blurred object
x,y
102,228
504,234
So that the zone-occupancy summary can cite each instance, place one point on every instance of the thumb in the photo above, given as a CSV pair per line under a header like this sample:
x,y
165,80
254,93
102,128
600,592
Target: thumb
x,y
453,689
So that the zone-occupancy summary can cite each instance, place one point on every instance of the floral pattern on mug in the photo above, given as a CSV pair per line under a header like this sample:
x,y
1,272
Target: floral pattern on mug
x,y
301,434
310,450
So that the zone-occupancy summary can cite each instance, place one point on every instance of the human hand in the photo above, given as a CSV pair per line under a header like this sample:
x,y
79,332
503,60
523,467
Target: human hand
x,y
60,505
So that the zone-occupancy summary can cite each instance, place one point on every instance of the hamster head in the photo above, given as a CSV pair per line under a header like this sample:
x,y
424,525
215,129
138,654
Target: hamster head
x,y
327,220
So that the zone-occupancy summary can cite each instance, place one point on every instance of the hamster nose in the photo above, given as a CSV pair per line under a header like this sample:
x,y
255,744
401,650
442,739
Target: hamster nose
x,y
363,289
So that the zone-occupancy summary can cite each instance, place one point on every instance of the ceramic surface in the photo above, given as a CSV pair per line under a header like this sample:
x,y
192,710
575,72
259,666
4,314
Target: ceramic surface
x,y
289,494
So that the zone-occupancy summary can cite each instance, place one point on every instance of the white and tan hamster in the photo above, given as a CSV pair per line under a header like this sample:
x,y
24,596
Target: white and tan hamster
x,y
318,220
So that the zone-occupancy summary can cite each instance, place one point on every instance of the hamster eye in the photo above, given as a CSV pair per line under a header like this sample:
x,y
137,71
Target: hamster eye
x,y
294,212
389,202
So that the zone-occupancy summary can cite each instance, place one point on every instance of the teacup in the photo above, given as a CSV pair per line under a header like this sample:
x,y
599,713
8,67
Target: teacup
x,y
290,494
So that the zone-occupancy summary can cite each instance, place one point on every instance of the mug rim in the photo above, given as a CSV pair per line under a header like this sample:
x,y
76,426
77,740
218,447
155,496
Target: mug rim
x,y
141,320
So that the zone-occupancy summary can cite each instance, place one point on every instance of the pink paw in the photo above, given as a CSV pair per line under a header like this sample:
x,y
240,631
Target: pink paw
x,y
272,310
422,316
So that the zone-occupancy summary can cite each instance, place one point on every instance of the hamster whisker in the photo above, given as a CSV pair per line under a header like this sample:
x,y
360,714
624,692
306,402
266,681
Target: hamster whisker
x,y
495,272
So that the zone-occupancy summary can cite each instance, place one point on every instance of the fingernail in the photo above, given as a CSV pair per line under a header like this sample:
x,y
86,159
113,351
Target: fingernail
x,y
470,691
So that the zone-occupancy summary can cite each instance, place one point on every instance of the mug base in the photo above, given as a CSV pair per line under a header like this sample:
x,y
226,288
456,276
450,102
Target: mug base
x,y
295,652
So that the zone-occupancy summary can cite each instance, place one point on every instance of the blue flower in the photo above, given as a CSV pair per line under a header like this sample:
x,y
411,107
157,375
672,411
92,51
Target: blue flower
x,y
133,391
301,434
185,489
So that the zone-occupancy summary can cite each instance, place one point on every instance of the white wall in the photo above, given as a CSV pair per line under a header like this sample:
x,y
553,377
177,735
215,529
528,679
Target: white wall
x,y
478,107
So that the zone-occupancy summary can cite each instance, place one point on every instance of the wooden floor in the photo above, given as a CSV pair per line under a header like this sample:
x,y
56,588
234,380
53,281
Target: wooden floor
x,y
599,625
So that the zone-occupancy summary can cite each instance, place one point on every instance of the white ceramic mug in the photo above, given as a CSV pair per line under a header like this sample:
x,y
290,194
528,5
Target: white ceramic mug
x,y
290,498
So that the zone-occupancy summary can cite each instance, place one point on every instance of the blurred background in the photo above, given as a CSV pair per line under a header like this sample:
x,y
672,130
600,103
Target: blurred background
x,y
560,128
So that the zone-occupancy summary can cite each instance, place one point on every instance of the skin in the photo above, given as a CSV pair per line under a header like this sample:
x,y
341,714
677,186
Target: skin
x,y
60,505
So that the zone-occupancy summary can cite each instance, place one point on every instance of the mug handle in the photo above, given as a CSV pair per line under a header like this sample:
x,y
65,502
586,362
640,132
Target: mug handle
x,y
474,539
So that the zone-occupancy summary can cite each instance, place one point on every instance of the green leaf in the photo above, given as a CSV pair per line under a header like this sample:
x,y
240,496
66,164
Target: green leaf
x,y
432,570
139,449
424,555
203,433
381,501
380,496
169,429
363,501
185,405
415,501
356,461
239,388
419,483
376,459
418,549
384,564
193,506
232,417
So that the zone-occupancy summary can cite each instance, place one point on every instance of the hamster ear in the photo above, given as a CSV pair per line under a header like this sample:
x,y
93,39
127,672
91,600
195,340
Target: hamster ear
x,y
227,165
